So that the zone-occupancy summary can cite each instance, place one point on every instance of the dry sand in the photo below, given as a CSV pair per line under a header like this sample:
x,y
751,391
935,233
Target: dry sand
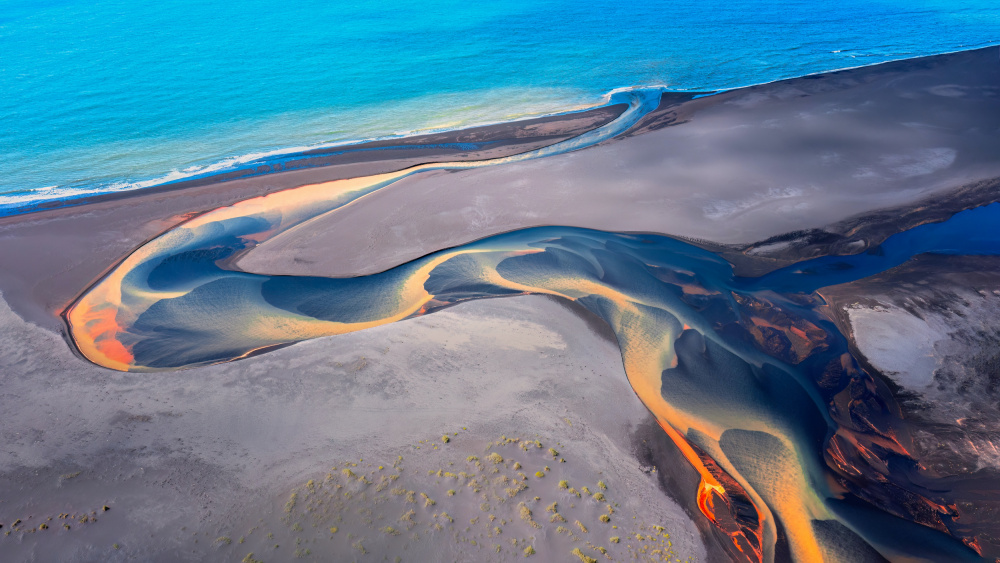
x,y
187,457
215,452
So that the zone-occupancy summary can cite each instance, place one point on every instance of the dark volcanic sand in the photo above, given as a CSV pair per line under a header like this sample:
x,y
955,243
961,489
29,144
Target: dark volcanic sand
x,y
50,256
808,166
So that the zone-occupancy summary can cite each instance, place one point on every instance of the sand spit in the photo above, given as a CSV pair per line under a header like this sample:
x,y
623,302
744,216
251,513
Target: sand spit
x,y
733,168
50,256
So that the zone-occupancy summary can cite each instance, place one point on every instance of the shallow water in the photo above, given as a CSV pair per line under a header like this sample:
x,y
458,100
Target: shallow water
x,y
797,445
110,95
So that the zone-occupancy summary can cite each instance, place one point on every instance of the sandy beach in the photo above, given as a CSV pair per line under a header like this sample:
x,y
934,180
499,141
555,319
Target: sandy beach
x,y
203,463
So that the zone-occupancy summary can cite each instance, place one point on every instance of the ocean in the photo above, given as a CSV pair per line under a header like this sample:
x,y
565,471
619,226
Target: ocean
x,y
103,96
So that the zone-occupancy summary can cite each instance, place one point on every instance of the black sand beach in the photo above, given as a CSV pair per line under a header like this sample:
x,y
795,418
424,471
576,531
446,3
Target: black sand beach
x,y
766,175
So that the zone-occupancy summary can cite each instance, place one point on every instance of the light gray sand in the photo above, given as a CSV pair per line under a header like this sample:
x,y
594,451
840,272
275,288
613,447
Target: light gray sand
x,y
190,450
931,327
741,167
185,458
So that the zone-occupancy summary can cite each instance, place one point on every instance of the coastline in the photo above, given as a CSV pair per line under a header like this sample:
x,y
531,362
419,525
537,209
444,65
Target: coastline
x,y
459,144
880,176
70,246
53,254
731,171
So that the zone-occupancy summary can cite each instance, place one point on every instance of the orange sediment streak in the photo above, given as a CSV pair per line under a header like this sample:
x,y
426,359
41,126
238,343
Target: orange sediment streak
x,y
101,329
708,481
708,488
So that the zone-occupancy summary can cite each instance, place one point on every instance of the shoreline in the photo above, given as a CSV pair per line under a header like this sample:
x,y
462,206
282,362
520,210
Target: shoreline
x,y
434,146
54,254
40,290
732,165
432,143
677,190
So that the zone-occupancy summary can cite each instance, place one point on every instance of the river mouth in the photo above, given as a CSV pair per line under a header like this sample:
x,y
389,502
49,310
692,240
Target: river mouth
x,y
798,444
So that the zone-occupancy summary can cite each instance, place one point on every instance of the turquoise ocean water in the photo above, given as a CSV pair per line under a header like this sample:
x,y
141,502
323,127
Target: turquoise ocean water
x,y
109,95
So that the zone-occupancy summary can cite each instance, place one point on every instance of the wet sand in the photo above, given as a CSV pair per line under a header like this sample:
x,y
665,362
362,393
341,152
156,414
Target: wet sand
x,y
730,169
735,170
49,256
930,329
763,171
